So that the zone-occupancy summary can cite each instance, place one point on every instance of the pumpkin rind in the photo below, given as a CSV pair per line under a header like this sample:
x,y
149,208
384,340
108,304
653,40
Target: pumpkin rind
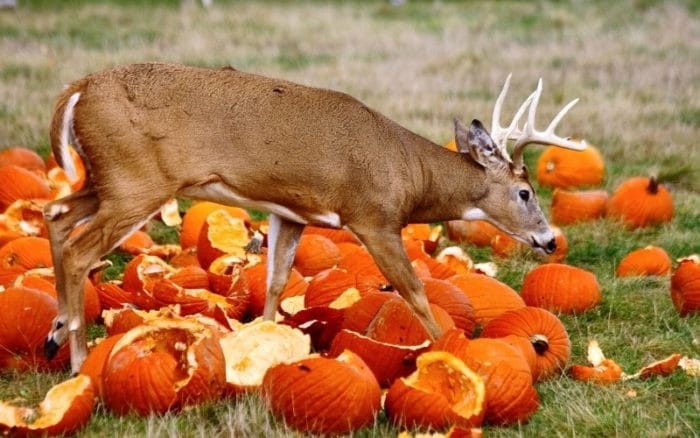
x,y
561,288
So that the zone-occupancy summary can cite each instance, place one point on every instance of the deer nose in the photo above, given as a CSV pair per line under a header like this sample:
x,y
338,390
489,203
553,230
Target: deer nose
x,y
551,246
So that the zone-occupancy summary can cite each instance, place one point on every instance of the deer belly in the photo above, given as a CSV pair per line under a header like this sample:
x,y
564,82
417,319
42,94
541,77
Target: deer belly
x,y
224,194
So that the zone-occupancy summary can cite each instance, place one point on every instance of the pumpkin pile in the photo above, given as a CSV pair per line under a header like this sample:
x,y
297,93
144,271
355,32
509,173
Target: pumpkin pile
x,y
183,321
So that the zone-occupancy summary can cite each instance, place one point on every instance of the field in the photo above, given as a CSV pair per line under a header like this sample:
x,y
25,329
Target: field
x,y
635,64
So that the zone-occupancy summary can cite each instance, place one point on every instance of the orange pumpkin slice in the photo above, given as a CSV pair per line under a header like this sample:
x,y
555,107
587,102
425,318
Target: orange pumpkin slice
x,y
443,391
603,371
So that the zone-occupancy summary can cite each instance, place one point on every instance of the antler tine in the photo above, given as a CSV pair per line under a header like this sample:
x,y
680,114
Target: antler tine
x,y
500,134
531,135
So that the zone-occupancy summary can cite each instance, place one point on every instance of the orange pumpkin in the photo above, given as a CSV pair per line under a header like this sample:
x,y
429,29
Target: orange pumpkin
x,y
19,183
27,316
477,232
685,286
510,396
222,234
22,157
322,395
640,202
336,236
195,217
565,168
326,286
254,280
315,253
569,207
387,361
78,164
162,366
442,392
22,254
449,297
94,364
488,296
603,371
561,288
505,246
542,329
651,260
66,408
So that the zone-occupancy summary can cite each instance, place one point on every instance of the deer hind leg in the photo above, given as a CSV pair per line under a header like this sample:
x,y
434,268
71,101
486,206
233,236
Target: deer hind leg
x,y
388,252
61,217
282,241
112,222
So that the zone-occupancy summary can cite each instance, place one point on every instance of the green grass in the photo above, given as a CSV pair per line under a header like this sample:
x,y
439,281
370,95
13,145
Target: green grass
x,y
635,65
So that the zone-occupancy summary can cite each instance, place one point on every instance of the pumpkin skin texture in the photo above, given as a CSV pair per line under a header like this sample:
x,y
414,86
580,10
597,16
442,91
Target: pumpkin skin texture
x,y
20,255
685,286
477,232
22,157
195,216
322,395
442,392
94,364
488,296
543,330
561,288
19,183
510,395
315,253
640,202
564,168
569,207
651,260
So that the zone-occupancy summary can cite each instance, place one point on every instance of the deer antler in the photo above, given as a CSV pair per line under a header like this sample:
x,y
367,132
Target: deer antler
x,y
528,134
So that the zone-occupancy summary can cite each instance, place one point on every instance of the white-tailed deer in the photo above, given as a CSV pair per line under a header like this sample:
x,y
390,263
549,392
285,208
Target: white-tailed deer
x,y
150,132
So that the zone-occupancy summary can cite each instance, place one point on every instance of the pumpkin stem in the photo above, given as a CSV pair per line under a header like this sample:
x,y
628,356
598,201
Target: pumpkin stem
x,y
540,343
653,187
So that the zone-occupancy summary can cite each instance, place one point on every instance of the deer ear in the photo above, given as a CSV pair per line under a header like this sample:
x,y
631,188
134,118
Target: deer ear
x,y
477,143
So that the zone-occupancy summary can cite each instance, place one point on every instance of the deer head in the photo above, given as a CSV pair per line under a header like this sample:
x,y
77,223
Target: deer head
x,y
509,201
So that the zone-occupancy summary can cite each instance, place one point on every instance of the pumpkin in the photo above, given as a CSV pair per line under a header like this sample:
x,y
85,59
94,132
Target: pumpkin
x,y
113,296
323,395
66,408
22,157
510,396
477,232
603,371
455,260
425,233
22,254
449,297
94,363
256,347
326,286
27,316
505,246
222,234
254,279
140,275
23,218
19,183
336,236
640,202
387,361
685,286
561,288
488,296
565,168
569,207
361,263
163,365
663,367
195,216
225,273
650,260
545,332
442,392
315,253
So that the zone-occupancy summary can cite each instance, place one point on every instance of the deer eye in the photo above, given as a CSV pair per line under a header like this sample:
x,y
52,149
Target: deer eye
x,y
524,195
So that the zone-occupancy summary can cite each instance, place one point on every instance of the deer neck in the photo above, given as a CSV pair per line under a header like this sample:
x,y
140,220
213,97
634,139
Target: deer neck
x,y
452,186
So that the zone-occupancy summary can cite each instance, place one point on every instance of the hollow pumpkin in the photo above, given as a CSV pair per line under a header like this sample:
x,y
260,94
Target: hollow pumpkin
x,y
328,285
80,171
569,207
195,217
685,286
565,168
545,332
19,183
488,296
323,395
650,260
94,363
222,234
561,288
442,392
66,408
640,202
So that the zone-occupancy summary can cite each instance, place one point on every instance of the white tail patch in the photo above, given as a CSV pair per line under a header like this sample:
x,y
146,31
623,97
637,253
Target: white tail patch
x,y
66,159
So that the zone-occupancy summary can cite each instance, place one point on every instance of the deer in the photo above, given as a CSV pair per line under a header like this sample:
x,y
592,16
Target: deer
x,y
150,132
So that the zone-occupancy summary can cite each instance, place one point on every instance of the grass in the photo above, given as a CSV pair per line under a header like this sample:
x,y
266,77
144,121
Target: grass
x,y
635,64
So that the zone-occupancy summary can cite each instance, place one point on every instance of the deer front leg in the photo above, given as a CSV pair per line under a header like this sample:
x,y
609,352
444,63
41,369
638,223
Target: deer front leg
x,y
61,217
388,252
282,241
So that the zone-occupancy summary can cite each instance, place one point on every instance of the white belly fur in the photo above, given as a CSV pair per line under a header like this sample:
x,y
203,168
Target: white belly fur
x,y
223,194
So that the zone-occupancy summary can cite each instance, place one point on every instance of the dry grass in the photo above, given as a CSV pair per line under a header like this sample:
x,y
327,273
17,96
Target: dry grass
x,y
635,65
